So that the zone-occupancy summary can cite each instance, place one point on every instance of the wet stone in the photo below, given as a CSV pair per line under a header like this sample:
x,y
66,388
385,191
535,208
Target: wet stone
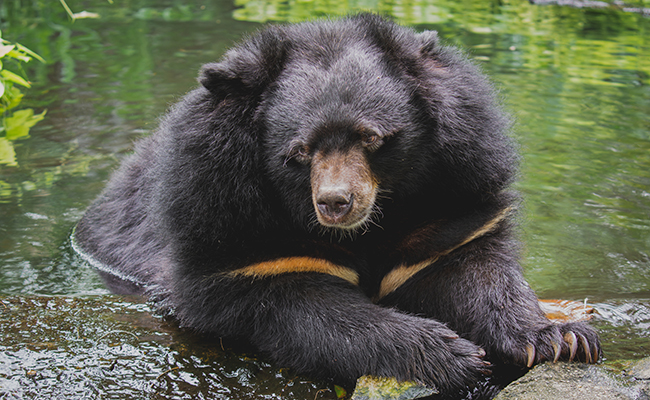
x,y
573,382
641,369
380,388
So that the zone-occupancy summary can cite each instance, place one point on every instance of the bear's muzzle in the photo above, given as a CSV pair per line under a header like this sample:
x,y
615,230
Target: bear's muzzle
x,y
343,188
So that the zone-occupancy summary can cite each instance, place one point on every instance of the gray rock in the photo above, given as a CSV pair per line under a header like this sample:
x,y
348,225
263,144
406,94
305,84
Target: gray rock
x,y
641,369
577,382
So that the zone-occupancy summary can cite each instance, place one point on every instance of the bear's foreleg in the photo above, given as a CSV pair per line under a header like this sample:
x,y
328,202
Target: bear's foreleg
x,y
323,326
480,292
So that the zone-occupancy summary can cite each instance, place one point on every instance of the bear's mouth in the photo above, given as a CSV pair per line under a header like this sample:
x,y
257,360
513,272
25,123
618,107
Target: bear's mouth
x,y
343,189
342,215
348,216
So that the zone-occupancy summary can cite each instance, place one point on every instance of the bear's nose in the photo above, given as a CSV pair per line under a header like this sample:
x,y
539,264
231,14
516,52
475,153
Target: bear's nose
x,y
334,204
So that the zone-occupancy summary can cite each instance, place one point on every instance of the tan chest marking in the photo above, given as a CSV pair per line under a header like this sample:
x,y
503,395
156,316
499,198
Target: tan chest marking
x,y
296,264
400,274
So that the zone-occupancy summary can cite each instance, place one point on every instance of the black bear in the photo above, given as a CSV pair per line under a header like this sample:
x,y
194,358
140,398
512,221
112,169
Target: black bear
x,y
336,193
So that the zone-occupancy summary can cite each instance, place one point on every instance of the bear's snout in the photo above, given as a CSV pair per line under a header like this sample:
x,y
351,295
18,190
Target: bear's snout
x,y
334,203
343,188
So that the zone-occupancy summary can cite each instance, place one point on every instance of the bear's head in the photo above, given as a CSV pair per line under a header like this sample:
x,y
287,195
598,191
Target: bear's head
x,y
339,121
352,113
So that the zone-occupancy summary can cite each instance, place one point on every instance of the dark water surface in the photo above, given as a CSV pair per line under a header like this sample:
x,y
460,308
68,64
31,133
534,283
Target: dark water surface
x,y
576,80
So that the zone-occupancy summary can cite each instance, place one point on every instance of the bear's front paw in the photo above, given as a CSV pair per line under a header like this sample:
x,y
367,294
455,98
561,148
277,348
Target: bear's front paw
x,y
453,362
468,355
570,342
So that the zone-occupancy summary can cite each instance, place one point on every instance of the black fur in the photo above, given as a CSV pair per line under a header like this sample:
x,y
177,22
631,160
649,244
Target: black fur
x,y
225,183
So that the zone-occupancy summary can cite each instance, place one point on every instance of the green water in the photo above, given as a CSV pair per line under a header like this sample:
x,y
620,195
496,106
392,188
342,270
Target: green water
x,y
577,82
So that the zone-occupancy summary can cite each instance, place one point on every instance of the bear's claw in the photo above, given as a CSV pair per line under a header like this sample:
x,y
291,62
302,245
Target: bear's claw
x,y
585,346
487,368
530,350
557,349
578,340
572,340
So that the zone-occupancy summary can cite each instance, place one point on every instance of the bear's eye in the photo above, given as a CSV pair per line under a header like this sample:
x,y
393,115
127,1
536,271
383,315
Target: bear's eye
x,y
301,154
371,140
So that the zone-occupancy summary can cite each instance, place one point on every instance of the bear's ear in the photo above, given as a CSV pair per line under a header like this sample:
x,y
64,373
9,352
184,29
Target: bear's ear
x,y
249,67
428,41
220,78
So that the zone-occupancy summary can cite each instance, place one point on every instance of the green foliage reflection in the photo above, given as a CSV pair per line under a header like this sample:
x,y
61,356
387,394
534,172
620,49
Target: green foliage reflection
x,y
407,11
15,125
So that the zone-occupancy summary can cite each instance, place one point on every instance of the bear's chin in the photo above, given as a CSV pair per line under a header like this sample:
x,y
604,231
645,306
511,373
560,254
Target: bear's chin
x,y
347,226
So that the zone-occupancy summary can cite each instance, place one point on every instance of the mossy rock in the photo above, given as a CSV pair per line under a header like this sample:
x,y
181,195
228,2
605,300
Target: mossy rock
x,y
379,388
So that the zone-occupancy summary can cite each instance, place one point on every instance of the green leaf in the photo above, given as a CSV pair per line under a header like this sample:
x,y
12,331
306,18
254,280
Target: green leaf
x,y
13,94
28,51
10,76
340,392
20,122
4,50
19,56
2,89
7,153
